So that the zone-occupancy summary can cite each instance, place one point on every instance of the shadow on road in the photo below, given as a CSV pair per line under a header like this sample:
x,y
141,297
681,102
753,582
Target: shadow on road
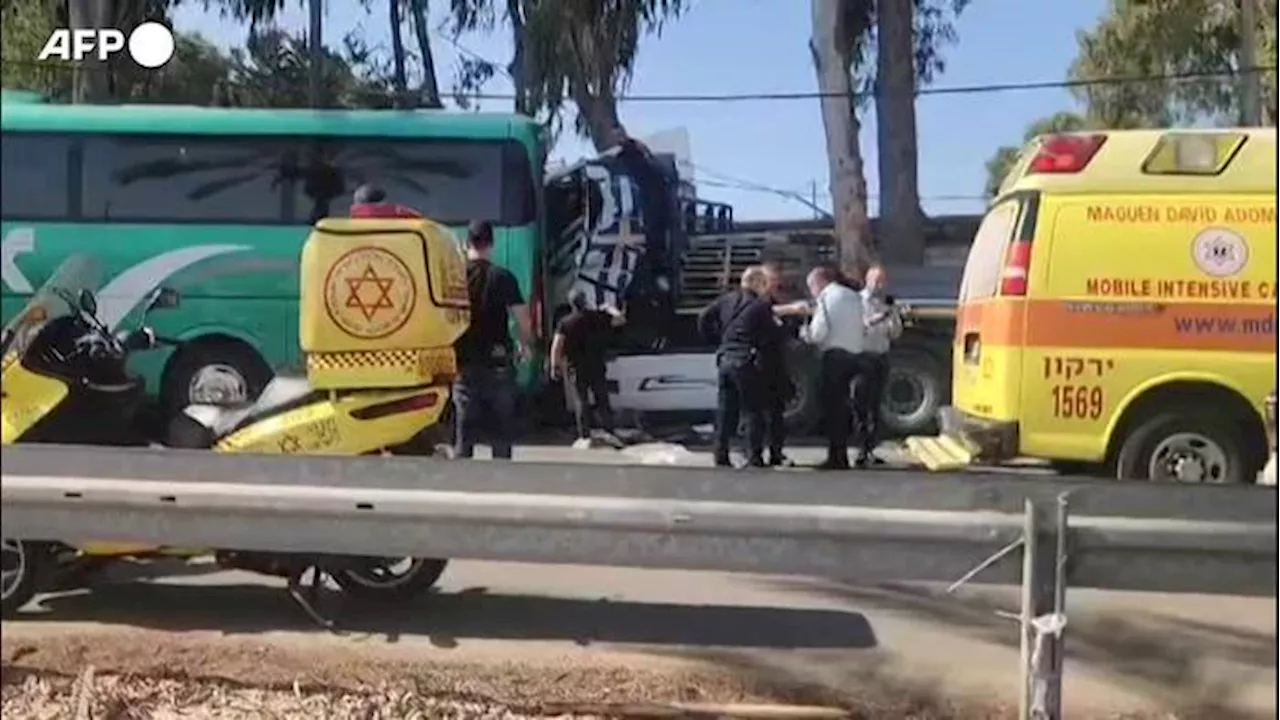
x,y
1161,655
444,619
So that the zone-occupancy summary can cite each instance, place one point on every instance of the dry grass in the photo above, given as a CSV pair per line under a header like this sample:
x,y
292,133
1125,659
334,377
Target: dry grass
x,y
134,675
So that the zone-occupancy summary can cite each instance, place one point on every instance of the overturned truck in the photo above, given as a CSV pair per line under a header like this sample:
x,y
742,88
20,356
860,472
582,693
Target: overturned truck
x,y
625,228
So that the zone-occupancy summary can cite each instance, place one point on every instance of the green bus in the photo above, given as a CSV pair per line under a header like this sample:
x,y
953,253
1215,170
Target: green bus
x,y
216,202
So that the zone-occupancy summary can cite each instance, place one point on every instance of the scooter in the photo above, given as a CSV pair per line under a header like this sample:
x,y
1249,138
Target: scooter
x,y
64,380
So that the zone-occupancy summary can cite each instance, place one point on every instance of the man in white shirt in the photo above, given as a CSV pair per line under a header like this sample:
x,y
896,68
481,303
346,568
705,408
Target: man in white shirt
x,y
838,329
884,325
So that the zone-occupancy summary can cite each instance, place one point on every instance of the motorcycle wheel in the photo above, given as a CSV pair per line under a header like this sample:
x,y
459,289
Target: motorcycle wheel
x,y
21,565
391,579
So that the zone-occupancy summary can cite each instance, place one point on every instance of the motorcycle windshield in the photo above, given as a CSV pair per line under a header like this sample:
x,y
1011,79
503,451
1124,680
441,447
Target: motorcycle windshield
x,y
57,297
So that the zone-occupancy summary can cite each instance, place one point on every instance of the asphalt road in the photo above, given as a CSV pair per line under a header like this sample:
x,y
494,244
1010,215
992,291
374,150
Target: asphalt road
x,y
1125,650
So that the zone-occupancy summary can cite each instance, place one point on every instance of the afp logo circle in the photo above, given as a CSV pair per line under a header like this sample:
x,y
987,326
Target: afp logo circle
x,y
151,44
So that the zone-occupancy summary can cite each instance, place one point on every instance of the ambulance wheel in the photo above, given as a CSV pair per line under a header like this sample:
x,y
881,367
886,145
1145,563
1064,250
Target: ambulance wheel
x,y
215,372
22,564
391,579
1185,445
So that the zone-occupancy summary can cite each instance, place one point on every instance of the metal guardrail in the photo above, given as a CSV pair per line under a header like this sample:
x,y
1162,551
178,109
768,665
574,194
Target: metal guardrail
x,y
866,526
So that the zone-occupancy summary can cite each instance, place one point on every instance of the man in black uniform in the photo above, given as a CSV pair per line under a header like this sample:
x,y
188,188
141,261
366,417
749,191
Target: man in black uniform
x,y
579,352
742,325
484,395
777,380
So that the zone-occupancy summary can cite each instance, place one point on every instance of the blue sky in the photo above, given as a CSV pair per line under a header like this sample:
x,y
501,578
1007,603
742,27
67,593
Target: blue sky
x,y
761,46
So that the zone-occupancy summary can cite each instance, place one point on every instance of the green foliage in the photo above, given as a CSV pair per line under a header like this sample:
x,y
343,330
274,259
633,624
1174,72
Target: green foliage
x,y
1158,39
935,31
269,71
272,70
579,50
1145,38
1004,158
24,28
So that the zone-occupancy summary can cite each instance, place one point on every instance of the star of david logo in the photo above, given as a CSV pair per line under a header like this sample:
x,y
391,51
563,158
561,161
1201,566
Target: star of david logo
x,y
367,284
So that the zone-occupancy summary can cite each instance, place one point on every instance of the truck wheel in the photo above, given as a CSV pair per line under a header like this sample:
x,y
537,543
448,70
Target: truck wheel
x,y
805,407
916,388
21,567
1184,445
215,373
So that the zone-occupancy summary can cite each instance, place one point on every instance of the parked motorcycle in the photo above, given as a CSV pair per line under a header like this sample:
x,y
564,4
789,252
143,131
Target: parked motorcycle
x,y
65,381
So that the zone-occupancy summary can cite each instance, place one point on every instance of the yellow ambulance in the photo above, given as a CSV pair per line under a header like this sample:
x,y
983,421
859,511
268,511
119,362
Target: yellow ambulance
x,y
1117,312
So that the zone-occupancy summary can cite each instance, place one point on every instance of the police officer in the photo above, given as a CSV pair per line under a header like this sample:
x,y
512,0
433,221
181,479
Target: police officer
x,y
884,325
837,329
742,326
777,380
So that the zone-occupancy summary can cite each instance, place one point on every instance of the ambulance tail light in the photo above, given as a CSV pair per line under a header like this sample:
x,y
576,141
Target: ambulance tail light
x,y
1017,266
412,403
1065,154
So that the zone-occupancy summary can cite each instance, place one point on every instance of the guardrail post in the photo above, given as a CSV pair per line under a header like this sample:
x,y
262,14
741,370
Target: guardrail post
x,y
1043,617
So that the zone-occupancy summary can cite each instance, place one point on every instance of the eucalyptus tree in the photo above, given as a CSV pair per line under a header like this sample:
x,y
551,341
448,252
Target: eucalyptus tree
x,y
579,51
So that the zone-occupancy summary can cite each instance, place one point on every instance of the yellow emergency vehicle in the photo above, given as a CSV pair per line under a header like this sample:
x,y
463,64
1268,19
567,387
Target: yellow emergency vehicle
x,y
1117,312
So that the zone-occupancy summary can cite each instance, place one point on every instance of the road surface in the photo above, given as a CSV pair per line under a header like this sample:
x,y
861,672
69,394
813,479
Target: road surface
x,y
1127,651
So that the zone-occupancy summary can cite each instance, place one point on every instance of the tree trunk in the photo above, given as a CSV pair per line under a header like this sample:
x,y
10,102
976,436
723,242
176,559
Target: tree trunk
x,y
430,86
600,113
832,47
399,77
901,219
517,68
91,83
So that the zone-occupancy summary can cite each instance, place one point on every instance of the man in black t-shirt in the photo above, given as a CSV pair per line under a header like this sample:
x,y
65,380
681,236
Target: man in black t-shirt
x,y
484,395
579,353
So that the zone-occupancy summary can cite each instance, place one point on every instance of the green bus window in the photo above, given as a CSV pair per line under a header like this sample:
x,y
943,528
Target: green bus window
x,y
519,202
450,181
183,179
35,184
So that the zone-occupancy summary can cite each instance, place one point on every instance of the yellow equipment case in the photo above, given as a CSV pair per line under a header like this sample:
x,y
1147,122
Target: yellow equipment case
x,y
382,302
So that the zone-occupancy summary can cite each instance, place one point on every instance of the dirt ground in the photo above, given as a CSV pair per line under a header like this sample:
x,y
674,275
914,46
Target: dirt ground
x,y
136,674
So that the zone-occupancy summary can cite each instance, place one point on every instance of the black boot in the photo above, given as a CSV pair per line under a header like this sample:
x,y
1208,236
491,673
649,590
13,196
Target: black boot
x,y
837,459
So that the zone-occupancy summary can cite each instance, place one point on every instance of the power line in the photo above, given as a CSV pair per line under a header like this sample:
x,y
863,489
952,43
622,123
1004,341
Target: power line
x,y
798,197
989,88
944,90
730,182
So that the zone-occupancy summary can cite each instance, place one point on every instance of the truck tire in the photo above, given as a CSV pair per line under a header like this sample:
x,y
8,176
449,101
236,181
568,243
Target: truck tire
x,y
805,407
917,386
